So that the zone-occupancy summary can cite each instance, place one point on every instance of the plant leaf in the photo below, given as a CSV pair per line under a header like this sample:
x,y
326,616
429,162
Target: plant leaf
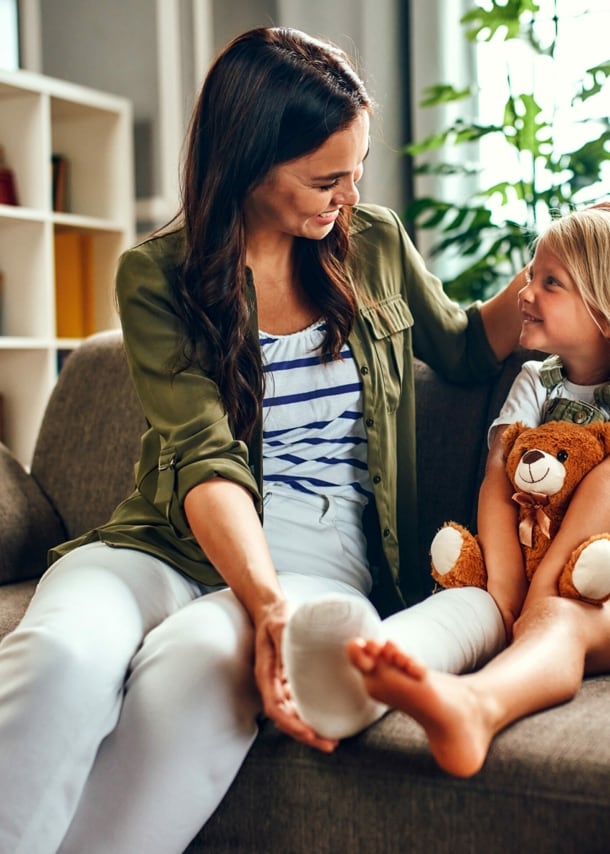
x,y
593,83
447,169
457,133
443,93
504,19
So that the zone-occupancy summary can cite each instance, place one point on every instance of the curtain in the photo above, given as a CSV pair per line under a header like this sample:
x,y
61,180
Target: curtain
x,y
440,53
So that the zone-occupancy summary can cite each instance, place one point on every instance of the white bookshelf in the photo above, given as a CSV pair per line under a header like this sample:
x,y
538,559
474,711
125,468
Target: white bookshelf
x,y
39,117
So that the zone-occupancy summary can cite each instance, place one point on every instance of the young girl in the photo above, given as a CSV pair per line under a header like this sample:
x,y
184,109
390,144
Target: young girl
x,y
565,308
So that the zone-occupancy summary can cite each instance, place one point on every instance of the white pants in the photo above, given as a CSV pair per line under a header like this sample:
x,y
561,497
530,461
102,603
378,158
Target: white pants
x,y
127,699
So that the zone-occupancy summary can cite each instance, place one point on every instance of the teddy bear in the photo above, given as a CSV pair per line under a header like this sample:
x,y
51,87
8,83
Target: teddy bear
x,y
545,464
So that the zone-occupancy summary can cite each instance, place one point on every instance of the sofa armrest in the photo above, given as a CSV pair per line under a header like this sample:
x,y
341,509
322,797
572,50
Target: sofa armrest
x,y
29,525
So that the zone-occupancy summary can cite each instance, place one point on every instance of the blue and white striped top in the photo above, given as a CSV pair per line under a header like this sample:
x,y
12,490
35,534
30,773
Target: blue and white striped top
x,y
313,434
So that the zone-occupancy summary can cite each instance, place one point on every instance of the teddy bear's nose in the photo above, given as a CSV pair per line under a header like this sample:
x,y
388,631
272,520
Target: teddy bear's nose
x,y
531,457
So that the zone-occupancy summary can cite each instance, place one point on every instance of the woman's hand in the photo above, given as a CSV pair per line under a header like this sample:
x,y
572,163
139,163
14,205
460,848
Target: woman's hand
x,y
271,680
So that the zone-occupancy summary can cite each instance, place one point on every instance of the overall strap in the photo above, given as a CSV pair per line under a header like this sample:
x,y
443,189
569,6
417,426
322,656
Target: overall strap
x,y
551,372
577,411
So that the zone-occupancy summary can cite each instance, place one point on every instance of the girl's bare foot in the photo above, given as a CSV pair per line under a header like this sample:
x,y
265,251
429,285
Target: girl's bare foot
x,y
450,712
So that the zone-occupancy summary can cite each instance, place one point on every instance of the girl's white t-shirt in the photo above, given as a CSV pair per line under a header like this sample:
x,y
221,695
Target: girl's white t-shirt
x,y
527,398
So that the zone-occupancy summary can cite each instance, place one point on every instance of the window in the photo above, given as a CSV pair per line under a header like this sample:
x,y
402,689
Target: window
x,y
9,35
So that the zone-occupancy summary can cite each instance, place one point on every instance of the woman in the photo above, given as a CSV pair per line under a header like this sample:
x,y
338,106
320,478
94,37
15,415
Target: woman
x,y
274,322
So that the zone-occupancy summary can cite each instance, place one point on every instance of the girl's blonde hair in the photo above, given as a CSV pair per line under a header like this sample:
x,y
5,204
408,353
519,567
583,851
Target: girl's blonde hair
x,y
581,241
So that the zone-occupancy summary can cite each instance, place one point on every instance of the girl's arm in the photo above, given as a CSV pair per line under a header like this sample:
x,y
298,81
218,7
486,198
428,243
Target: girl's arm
x,y
499,539
223,518
587,515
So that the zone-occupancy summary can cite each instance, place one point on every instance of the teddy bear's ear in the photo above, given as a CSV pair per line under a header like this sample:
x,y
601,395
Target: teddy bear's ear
x,y
509,437
601,430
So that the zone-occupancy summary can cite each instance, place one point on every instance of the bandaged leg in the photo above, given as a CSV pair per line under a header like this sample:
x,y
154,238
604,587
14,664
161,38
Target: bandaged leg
x,y
456,630
328,692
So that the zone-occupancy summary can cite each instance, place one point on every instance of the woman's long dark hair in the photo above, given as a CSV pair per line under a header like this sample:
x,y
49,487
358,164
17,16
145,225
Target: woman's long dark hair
x,y
271,96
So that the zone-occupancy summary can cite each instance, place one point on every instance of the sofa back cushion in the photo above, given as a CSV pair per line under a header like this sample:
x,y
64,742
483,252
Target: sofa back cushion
x,y
90,435
452,425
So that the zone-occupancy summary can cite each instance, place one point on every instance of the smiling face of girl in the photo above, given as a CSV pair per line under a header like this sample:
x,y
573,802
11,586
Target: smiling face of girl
x,y
303,197
555,319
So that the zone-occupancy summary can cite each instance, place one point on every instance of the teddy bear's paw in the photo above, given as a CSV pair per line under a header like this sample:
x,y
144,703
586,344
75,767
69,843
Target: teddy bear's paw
x,y
587,575
456,558
446,548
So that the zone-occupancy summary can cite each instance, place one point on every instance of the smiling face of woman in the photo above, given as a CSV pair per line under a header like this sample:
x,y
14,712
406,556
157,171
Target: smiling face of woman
x,y
303,197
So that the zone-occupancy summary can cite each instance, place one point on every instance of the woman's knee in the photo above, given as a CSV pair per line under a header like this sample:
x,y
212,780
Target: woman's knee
x,y
205,650
58,669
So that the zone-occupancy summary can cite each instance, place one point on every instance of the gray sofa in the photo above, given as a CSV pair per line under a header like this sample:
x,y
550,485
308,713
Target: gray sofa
x,y
546,784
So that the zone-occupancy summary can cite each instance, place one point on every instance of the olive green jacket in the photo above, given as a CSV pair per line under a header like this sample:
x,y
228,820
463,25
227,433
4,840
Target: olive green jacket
x,y
402,311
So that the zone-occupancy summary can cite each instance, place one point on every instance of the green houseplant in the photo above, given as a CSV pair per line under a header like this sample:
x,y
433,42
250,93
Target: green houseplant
x,y
489,233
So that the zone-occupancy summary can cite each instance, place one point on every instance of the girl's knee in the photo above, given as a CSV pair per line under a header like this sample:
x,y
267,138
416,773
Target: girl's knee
x,y
552,612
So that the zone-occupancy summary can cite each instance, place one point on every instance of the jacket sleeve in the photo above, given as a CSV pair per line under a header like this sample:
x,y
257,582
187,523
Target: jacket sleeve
x,y
189,440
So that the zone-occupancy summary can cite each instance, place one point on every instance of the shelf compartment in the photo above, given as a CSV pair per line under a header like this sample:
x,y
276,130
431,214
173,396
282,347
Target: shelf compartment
x,y
90,140
85,269
27,275
25,139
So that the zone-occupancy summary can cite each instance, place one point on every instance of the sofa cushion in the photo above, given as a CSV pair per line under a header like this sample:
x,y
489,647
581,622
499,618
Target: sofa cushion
x,y
450,422
28,522
14,600
544,788
89,439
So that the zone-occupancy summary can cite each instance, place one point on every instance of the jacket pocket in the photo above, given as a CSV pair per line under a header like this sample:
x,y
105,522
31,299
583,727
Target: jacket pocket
x,y
388,321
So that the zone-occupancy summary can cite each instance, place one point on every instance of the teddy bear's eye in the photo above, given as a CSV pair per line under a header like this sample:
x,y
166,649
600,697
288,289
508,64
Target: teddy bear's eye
x,y
562,456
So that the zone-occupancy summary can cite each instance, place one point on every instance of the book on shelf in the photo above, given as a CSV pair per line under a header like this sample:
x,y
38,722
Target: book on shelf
x,y
59,177
8,186
74,285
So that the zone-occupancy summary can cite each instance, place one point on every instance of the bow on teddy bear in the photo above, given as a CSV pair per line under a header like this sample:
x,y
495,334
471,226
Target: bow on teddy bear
x,y
545,464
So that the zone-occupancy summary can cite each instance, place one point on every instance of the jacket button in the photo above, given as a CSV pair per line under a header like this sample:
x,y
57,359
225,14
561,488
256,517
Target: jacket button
x,y
364,370
386,532
377,478
369,422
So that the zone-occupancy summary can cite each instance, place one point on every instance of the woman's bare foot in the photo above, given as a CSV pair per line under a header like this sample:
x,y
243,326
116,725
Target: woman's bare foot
x,y
447,708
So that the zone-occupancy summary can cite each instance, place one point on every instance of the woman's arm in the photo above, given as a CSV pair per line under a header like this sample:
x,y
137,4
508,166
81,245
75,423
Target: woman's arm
x,y
502,319
224,521
498,536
